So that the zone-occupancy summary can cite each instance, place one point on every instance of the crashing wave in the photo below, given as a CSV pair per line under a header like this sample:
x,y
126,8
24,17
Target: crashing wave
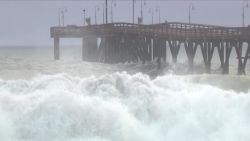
x,y
124,107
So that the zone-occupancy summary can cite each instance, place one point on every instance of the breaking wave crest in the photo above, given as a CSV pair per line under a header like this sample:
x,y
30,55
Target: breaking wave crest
x,y
123,107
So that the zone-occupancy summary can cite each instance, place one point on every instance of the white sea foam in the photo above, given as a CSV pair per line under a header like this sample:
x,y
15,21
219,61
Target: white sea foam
x,y
100,102
123,107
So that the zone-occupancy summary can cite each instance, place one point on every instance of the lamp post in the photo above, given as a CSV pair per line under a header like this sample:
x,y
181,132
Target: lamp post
x,y
244,5
112,13
59,18
106,7
97,8
151,10
190,8
158,9
103,13
84,17
133,11
62,12
143,2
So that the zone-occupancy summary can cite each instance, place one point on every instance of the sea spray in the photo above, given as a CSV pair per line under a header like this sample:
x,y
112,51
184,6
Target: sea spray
x,y
123,107
6,127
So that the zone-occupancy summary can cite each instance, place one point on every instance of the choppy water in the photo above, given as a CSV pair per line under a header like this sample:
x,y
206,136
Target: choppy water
x,y
71,100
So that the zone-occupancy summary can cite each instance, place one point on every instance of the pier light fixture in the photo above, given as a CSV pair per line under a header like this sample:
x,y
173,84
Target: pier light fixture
x,y
97,8
190,9
244,5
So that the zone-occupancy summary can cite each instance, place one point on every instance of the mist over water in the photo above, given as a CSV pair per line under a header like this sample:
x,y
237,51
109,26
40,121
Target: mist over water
x,y
71,100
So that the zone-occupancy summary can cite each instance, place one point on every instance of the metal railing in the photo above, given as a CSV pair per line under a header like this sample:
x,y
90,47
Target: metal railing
x,y
166,29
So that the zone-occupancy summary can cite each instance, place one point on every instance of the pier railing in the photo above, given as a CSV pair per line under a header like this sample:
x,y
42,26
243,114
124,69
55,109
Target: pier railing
x,y
165,30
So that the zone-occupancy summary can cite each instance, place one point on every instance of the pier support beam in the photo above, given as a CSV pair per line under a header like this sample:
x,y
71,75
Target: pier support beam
x,y
56,48
228,50
132,49
123,49
207,54
174,48
242,60
101,50
142,50
221,51
155,47
164,50
107,50
161,45
190,48
84,50
89,49
126,48
238,49
161,51
150,48
247,56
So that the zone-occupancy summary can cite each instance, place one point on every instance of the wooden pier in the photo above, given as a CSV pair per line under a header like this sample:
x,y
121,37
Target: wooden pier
x,y
126,42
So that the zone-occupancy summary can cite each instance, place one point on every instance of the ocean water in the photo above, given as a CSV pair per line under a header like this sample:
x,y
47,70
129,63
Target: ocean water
x,y
71,100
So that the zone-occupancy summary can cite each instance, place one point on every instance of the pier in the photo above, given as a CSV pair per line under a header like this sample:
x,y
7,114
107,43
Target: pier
x,y
126,42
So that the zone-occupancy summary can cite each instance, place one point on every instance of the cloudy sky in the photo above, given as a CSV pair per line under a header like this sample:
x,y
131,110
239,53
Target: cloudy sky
x,y
27,23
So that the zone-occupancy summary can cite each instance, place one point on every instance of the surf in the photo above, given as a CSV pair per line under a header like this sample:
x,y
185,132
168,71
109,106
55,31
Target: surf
x,y
121,106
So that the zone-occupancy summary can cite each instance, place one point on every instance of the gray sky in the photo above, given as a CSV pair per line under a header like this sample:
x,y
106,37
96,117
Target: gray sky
x,y
28,22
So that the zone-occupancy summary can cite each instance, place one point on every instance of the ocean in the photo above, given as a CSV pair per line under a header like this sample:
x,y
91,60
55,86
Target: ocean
x,y
72,100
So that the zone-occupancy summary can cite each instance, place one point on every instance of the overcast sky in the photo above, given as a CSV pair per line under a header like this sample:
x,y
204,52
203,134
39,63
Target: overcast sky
x,y
28,22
